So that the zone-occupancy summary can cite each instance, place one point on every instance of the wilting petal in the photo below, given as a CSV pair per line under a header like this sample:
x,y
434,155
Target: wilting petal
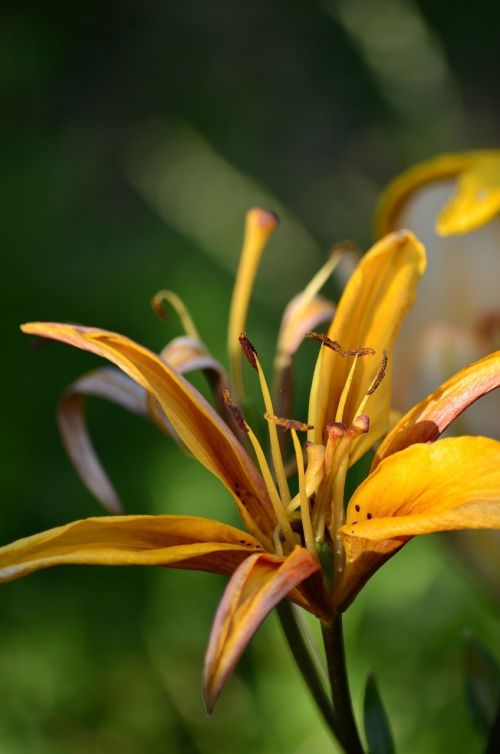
x,y
186,354
369,314
174,541
477,197
197,424
116,387
447,485
434,414
260,582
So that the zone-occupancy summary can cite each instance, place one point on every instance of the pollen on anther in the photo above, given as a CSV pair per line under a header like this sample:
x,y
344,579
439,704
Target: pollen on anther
x,y
236,414
288,424
249,350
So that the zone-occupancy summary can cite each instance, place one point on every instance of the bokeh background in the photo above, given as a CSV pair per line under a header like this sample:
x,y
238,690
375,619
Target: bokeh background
x,y
134,137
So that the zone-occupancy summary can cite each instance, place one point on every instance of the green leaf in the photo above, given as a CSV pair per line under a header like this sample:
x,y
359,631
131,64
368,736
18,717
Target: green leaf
x,y
378,732
482,684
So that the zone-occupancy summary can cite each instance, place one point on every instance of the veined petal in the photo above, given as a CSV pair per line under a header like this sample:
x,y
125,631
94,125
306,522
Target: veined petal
x,y
369,314
475,202
114,386
174,541
197,424
434,414
450,484
260,582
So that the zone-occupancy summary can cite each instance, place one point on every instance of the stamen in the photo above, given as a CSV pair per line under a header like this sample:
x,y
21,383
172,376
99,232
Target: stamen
x,y
375,383
304,502
235,411
279,468
249,350
345,392
177,304
380,374
322,275
288,424
279,508
335,346
259,226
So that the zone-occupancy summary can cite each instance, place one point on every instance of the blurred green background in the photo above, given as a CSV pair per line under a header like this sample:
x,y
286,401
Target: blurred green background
x,y
135,135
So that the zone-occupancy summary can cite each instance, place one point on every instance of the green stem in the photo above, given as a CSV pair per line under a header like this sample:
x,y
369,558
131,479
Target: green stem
x,y
306,665
345,723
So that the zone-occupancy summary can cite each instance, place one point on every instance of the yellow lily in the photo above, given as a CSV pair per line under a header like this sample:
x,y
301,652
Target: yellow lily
x,y
291,541
452,203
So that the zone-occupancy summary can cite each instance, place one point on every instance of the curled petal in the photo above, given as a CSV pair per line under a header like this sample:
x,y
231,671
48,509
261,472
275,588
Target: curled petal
x,y
186,354
448,485
434,414
114,386
260,582
369,315
173,541
199,427
475,202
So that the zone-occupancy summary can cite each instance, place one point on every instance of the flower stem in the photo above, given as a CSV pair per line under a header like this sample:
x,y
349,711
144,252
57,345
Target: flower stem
x,y
345,724
306,664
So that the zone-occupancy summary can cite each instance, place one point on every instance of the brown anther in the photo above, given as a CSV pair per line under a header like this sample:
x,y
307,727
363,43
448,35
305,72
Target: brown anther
x,y
380,374
335,346
157,305
288,424
235,411
249,350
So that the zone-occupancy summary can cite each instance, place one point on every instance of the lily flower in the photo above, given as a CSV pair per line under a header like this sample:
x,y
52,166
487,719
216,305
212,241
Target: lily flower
x,y
303,547
452,203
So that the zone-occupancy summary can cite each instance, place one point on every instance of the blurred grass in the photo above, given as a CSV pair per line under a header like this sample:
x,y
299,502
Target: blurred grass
x,y
285,95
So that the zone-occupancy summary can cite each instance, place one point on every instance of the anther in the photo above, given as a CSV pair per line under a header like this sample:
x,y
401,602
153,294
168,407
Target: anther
x,y
380,374
335,346
235,411
288,424
249,350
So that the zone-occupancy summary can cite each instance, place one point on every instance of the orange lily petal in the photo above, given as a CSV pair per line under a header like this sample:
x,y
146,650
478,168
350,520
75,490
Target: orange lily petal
x,y
116,387
260,582
197,424
173,541
434,414
447,485
369,314
475,202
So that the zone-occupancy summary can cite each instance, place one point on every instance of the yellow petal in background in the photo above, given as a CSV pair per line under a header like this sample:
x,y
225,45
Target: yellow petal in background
x,y
177,541
476,199
256,587
434,414
197,424
369,314
448,485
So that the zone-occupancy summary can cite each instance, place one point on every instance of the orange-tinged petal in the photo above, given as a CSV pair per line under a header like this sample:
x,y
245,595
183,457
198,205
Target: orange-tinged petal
x,y
113,385
434,414
476,201
173,541
260,582
450,484
369,314
203,432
